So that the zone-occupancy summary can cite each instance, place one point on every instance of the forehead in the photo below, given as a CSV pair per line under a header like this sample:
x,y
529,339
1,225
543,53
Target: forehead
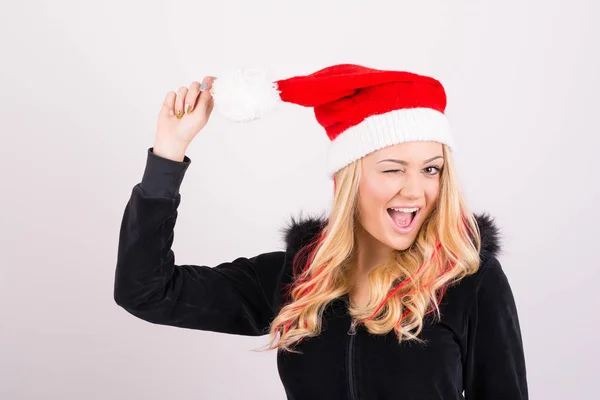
x,y
411,152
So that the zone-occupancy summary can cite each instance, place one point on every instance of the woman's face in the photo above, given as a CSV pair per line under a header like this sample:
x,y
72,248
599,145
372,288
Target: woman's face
x,y
406,175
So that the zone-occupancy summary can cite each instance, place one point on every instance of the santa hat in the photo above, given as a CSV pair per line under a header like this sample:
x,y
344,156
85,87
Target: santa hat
x,y
362,109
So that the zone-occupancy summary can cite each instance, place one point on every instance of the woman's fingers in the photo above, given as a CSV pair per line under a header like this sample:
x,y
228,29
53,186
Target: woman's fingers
x,y
192,96
169,104
205,97
186,100
181,94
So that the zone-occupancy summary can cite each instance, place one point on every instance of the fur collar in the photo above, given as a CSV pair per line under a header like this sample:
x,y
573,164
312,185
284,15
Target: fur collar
x,y
299,232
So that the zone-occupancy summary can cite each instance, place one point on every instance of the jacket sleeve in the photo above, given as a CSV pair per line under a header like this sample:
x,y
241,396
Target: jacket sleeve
x,y
495,363
235,297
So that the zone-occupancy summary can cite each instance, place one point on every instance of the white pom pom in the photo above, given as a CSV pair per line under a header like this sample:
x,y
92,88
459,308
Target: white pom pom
x,y
244,94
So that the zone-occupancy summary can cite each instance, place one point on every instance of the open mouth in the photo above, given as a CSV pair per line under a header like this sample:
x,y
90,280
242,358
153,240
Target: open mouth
x,y
403,219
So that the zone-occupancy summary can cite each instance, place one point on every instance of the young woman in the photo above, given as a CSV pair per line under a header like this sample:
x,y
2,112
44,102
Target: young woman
x,y
396,294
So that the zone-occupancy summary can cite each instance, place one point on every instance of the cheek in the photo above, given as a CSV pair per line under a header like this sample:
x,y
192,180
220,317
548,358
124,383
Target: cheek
x,y
432,192
374,192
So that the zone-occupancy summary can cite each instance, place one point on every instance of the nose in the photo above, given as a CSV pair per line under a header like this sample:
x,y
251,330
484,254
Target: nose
x,y
411,188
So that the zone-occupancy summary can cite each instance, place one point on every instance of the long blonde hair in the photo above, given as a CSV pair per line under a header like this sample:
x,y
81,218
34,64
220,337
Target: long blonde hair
x,y
403,290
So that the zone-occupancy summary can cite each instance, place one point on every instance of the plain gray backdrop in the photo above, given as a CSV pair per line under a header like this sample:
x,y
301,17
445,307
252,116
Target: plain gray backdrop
x,y
82,84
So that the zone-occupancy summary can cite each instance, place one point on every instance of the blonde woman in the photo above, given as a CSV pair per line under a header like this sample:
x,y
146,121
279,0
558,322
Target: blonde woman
x,y
396,294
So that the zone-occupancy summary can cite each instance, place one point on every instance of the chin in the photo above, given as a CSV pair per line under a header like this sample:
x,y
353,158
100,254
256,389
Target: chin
x,y
401,244
401,241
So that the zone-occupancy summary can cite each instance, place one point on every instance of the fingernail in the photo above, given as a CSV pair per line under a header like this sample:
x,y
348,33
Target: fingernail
x,y
203,86
188,108
171,113
179,113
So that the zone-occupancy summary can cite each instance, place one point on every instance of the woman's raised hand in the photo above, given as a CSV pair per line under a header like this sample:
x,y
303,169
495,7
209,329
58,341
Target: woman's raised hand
x,y
183,114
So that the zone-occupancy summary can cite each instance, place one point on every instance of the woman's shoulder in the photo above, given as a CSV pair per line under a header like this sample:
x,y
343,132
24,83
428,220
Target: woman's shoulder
x,y
489,252
489,285
299,231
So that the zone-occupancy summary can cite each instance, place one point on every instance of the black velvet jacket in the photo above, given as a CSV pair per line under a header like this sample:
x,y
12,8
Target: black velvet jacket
x,y
475,351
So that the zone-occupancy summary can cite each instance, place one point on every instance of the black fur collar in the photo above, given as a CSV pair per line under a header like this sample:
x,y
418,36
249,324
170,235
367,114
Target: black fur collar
x,y
299,232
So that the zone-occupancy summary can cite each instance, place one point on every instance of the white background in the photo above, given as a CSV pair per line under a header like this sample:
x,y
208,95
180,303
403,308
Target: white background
x,y
82,83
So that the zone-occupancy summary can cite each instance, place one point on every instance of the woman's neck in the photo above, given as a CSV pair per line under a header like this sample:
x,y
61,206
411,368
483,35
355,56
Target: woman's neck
x,y
371,253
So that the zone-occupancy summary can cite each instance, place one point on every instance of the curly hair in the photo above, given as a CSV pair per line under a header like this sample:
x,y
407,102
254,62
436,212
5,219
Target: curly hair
x,y
403,290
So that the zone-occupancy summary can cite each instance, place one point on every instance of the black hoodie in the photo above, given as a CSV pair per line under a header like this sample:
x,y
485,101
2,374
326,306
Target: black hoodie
x,y
475,351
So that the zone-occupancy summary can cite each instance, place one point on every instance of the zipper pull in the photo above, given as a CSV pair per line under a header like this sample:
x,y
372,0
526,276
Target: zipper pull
x,y
352,330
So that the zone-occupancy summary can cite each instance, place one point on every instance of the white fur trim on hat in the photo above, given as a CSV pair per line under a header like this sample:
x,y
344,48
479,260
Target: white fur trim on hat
x,y
382,130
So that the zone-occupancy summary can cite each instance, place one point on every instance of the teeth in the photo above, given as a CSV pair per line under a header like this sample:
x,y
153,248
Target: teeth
x,y
405,209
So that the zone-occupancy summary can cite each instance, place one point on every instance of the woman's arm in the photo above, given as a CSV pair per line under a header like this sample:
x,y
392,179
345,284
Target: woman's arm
x,y
234,297
495,362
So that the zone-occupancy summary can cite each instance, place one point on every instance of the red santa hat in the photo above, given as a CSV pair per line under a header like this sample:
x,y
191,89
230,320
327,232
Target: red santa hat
x,y
361,109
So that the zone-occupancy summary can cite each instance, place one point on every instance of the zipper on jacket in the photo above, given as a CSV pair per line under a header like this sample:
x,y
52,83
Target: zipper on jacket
x,y
351,383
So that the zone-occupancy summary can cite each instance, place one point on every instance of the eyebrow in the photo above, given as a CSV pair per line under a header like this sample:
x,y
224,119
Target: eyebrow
x,y
405,162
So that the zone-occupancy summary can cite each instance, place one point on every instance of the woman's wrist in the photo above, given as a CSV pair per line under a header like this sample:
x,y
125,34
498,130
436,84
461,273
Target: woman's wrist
x,y
170,150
